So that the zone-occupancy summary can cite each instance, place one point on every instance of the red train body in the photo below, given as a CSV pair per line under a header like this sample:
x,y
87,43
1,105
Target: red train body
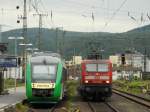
x,y
96,79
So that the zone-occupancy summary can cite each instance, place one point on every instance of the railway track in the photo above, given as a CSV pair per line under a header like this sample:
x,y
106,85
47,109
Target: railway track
x,y
102,107
135,98
40,110
47,107
44,109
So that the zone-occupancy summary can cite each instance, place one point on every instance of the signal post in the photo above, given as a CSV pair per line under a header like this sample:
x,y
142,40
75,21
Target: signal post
x,y
3,49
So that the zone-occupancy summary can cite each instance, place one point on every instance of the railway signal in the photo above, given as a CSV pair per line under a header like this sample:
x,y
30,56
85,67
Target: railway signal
x,y
123,59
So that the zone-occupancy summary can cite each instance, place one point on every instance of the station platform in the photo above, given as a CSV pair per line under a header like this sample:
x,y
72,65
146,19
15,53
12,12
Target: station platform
x,y
12,98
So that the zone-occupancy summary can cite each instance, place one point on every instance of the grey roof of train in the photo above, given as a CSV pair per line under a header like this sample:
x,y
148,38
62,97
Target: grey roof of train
x,y
48,57
46,54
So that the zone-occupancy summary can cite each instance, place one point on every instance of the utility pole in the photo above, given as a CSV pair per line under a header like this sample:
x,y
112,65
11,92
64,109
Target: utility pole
x,y
63,43
74,54
25,22
1,74
58,43
56,40
24,34
145,59
40,29
3,49
0,33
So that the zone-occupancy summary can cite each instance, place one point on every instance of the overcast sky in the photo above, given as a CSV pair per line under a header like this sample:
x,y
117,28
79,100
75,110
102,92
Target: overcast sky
x,y
76,15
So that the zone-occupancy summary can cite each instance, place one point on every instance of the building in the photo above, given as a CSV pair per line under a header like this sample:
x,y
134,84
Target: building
x,y
135,59
77,60
127,73
114,59
135,64
74,67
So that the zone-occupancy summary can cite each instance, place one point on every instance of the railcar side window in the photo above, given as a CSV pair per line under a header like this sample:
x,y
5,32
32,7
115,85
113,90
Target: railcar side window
x,y
91,68
102,67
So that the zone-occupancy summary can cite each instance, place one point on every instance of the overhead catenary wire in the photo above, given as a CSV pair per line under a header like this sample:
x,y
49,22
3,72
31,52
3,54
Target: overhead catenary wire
x,y
148,16
116,11
86,12
37,5
133,18
81,4
140,20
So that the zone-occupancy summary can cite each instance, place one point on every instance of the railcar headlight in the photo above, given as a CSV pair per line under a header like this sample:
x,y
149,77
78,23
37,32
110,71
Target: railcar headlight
x,y
107,82
86,81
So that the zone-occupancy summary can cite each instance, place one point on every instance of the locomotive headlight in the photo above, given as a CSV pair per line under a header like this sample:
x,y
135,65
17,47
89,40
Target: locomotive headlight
x,y
86,81
107,82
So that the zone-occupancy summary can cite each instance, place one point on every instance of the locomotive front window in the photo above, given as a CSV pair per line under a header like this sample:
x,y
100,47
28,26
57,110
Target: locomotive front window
x,y
91,67
102,67
44,73
97,67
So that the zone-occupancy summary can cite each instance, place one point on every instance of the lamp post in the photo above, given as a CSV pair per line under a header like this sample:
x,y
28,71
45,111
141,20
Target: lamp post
x,y
25,59
57,42
15,38
25,45
101,51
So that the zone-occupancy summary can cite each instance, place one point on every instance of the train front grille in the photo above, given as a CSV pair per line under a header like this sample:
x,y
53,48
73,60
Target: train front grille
x,y
42,92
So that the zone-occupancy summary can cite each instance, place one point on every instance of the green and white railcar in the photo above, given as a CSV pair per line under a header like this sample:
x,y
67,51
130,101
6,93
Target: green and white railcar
x,y
45,77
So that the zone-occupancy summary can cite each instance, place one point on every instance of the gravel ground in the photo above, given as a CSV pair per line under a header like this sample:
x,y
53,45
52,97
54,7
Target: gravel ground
x,y
121,103
101,107
125,105
83,106
144,95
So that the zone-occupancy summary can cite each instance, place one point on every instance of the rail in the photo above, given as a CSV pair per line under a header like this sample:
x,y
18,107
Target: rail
x,y
109,105
135,98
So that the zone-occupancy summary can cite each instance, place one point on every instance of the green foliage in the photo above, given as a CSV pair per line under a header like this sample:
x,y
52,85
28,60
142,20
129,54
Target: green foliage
x,y
71,89
135,86
110,42
21,108
9,83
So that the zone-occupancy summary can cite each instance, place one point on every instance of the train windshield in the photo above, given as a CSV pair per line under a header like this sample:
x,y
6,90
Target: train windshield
x,y
97,67
43,73
102,67
91,67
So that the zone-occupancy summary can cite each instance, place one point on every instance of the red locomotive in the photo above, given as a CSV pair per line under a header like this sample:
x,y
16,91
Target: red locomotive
x,y
96,79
